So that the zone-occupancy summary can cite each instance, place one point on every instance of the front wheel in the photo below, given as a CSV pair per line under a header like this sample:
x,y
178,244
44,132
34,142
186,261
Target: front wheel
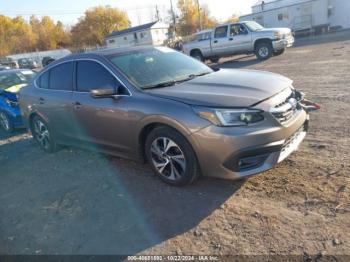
x,y
42,135
171,157
5,122
279,52
263,50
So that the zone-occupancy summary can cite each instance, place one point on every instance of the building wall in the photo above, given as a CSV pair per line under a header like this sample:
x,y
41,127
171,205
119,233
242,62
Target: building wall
x,y
143,37
151,36
159,35
340,13
303,15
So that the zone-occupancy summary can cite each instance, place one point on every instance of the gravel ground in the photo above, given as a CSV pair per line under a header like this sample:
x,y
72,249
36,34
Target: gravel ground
x,y
79,202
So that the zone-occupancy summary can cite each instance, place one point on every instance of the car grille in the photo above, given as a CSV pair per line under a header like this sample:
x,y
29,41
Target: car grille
x,y
287,109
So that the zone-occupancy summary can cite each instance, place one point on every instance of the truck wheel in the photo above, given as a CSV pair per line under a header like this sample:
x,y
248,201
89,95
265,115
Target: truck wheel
x,y
197,55
263,50
214,59
279,52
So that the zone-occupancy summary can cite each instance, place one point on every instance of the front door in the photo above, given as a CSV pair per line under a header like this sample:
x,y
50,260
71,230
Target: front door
x,y
100,122
240,38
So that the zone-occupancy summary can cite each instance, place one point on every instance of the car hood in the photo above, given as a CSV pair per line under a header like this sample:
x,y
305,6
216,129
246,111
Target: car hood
x,y
11,92
283,30
226,88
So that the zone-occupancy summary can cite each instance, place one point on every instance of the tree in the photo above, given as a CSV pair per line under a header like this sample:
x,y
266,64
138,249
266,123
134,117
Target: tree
x,y
16,35
96,24
188,22
233,19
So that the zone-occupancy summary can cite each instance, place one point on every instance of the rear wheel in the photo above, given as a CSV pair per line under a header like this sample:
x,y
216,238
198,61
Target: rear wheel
x,y
42,135
171,157
5,122
263,50
197,55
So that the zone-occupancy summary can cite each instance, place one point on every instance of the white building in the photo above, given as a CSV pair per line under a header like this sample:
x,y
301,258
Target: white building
x,y
302,14
154,33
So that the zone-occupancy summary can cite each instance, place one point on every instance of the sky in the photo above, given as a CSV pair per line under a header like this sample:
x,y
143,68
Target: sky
x,y
139,11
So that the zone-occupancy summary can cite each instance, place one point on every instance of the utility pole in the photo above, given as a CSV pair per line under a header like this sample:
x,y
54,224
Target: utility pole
x,y
157,13
199,16
173,16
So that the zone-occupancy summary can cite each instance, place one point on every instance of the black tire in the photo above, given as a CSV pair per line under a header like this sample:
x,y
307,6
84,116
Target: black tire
x,y
38,128
5,122
188,174
263,50
279,52
214,59
197,55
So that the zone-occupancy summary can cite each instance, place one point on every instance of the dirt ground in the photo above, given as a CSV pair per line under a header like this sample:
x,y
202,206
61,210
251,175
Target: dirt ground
x,y
79,202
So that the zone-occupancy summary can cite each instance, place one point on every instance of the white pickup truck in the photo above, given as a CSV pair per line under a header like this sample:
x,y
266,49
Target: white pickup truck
x,y
239,38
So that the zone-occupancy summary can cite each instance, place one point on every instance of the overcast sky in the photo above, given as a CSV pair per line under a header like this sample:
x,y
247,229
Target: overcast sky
x,y
142,11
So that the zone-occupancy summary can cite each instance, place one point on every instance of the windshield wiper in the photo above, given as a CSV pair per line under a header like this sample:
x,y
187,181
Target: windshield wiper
x,y
163,84
174,82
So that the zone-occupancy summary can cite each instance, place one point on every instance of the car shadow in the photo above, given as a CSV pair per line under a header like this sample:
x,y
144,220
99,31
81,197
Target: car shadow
x,y
80,202
237,62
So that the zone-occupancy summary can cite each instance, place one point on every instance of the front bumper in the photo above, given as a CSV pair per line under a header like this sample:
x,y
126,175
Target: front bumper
x,y
283,43
234,153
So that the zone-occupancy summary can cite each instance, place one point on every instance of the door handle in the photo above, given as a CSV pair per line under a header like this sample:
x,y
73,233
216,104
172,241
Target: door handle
x,y
41,101
77,105
215,41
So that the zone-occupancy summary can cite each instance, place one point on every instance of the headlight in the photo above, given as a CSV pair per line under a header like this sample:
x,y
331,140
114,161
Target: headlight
x,y
278,36
230,117
11,103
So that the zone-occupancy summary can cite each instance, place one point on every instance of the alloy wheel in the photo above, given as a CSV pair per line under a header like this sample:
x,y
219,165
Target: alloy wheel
x,y
263,51
42,134
168,158
5,123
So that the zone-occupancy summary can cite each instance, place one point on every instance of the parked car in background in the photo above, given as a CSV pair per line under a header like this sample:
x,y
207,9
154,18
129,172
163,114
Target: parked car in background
x,y
8,62
27,63
4,67
159,105
11,81
47,60
239,38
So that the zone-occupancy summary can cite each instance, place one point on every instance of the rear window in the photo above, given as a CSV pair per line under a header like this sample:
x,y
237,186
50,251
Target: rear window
x,y
61,77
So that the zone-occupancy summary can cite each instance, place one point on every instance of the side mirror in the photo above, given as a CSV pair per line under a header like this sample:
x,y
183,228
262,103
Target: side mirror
x,y
103,93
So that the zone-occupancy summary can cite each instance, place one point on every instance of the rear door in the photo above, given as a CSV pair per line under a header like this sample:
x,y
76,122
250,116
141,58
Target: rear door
x,y
55,89
103,122
220,41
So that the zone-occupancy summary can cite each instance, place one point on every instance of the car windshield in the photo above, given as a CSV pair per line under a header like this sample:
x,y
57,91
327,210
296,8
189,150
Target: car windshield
x,y
253,26
8,80
158,67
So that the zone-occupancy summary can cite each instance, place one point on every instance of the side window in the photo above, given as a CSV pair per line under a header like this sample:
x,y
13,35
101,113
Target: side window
x,y
237,29
221,32
43,80
91,75
61,77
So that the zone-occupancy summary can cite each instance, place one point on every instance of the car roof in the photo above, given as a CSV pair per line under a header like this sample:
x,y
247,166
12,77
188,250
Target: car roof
x,y
108,52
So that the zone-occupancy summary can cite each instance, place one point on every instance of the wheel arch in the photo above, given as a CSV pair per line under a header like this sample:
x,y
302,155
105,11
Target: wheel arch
x,y
195,50
262,40
154,122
